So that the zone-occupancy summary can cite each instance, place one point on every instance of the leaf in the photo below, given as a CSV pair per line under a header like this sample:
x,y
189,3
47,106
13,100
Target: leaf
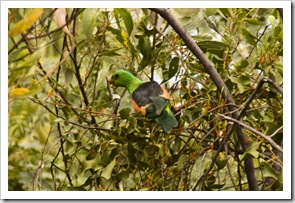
x,y
253,21
252,150
210,11
127,18
89,20
268,171
251,39
151,150
182,161
18,54
243,64
173,67
241,16
211,180
144,47
26,22
68,76
59,17
225,12
242,79
277,31
117,33
272,20
213,47
18,92
123,175
221,161
110,52
124,113
107,171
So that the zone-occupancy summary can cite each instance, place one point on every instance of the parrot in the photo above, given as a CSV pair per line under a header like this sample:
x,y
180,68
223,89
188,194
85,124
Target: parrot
x,y
148,98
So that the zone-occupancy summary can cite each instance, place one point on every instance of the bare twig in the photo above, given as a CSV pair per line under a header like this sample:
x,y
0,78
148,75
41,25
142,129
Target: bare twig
x,y
275,145
275,132
71,122
252,97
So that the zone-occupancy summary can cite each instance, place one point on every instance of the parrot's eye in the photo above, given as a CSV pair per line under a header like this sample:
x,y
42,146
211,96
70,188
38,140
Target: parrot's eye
x,y
116,76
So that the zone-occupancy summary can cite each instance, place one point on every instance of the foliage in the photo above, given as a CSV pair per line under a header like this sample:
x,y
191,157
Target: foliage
x,y
68,130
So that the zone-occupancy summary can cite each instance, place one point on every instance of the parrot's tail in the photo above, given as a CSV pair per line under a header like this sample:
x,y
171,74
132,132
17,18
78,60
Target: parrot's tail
x,y
167,120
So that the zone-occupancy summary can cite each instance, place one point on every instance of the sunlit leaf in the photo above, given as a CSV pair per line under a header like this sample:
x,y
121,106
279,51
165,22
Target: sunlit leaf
x,y
107,171
252,150
18,92
88,20
182,162
26,22
251,39
127,18
60,19
210,11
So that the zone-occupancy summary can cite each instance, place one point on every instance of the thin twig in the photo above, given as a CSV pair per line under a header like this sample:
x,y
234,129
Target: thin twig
x,y
278,130
275,145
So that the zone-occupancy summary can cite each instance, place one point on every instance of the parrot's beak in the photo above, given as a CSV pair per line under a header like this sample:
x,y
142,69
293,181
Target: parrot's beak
x,y
113,84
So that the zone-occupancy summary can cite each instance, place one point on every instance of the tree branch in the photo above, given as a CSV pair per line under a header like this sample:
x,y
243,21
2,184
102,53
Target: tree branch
x,y
209,67
275,145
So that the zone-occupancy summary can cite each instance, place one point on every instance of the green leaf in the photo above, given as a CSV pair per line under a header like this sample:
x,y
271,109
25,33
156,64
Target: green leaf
x,y
124,113
268,171
221,161
251,39
123,175
253,21
151,151
272,20
18,54
244,79
225,12
210,11
213,47
173,67
89,19
243,64
127,18
241,16
277,31
252,150
143,63
68,76
182,161
110,52
107,171
117,33
210,180
144,47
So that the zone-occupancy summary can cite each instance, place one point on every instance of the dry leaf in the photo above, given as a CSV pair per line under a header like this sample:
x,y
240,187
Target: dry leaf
x,y
60,19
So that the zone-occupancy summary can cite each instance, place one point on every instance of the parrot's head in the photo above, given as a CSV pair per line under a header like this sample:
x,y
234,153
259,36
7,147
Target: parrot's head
x,y
121,78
